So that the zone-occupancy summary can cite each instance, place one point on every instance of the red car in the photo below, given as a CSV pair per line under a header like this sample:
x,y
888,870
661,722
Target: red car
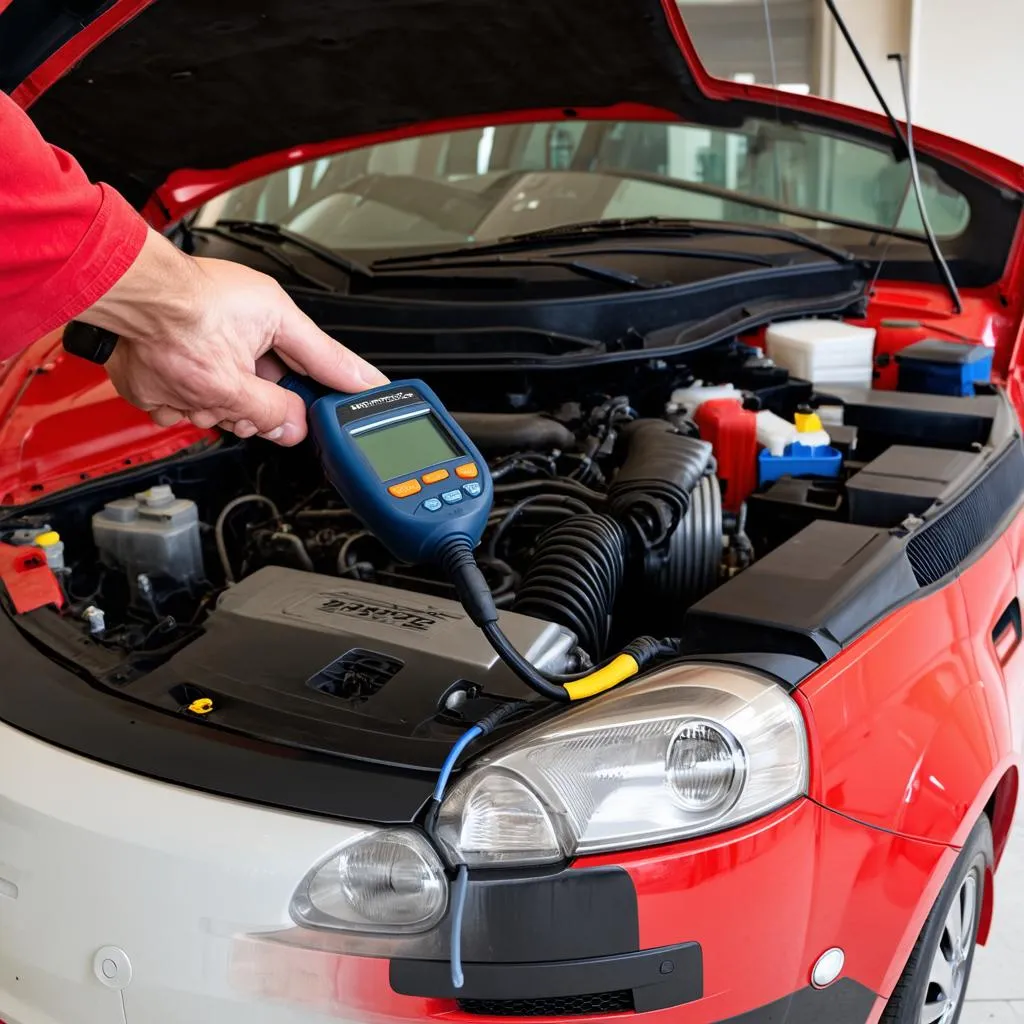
x,y
745,369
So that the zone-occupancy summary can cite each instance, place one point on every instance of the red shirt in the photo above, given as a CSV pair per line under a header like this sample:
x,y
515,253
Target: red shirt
x,y
64,242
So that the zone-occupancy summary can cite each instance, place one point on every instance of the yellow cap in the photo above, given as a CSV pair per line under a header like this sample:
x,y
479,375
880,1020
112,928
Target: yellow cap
x,y
202,706
808,422
46,540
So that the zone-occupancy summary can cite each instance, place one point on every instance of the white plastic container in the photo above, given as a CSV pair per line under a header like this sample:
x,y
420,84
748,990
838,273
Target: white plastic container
x,y
689,400
823,351
154,533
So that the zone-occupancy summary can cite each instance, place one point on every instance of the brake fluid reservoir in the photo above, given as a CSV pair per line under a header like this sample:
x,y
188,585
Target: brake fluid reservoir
x,y
154,533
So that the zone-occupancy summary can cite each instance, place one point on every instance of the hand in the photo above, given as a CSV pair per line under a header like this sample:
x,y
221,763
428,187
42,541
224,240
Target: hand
x,y
206,339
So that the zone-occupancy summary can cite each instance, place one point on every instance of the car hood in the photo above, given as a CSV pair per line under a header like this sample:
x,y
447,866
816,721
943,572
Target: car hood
x,y
212,83
140,89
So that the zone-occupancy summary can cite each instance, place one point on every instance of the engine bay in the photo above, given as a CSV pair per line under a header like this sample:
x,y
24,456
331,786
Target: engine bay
x,y
677,501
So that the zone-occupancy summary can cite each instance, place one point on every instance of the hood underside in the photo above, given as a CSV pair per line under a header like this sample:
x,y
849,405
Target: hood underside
x,y
207,84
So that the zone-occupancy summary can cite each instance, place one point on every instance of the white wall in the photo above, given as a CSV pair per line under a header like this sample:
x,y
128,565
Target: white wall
x,y
965,61
969,77
880,27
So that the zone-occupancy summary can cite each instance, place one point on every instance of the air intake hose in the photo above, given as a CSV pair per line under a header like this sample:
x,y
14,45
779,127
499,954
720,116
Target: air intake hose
x,y
580,564
575,577
651,491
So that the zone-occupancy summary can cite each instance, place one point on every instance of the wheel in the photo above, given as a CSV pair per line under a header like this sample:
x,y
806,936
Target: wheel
x,y
934,982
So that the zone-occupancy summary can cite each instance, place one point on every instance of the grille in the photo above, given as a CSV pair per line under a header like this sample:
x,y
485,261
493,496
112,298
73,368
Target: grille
x,y
558,1006
948,541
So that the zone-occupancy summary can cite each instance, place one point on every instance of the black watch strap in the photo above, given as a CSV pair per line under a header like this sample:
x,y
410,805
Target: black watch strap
x,y
93,343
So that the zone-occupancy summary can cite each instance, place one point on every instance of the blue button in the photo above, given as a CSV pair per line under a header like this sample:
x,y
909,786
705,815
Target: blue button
x,y
432,504
473,489
451,497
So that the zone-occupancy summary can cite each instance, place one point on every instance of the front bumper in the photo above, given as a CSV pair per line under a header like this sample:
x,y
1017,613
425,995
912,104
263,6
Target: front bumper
x,y
194,890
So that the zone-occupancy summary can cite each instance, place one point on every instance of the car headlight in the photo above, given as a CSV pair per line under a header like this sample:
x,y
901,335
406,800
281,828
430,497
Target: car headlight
x,y
387,882
690,750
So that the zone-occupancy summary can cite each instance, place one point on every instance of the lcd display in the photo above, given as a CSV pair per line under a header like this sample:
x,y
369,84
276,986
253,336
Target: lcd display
x,y
405,447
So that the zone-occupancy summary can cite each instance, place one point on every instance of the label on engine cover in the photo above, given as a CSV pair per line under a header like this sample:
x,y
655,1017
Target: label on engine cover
x,y
384,613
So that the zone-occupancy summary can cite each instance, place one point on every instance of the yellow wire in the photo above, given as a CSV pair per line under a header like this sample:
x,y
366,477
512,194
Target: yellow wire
x,y
615,672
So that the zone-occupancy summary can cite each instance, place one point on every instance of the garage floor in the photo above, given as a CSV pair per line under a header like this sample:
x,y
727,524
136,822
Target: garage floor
x,y
996,995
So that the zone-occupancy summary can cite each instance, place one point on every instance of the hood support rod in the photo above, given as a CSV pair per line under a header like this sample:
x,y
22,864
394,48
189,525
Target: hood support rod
x,y
907,144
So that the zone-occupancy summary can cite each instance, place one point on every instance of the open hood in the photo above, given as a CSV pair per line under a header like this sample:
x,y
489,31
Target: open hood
x,y
139,89
211,83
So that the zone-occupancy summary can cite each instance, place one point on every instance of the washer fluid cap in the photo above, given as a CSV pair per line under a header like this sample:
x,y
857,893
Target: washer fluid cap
x,y
48,539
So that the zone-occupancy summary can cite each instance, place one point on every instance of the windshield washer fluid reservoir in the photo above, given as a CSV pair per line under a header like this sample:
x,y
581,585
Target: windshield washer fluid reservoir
x,y
154,533
823,351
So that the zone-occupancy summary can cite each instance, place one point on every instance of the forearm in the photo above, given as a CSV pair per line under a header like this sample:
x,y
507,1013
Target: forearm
x,y
159,293
64,242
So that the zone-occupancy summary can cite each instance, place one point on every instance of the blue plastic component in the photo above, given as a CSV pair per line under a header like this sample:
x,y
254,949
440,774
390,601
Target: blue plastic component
x,y
413,528
799,460
944,368
474,489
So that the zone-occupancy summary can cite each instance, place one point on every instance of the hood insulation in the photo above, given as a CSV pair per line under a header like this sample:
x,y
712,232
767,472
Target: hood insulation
x,y
206,84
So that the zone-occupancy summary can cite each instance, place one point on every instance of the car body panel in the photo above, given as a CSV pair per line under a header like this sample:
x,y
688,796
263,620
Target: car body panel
x,y
912,726
195,890
62,422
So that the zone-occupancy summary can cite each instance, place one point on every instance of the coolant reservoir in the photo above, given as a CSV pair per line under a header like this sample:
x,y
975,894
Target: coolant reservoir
x,y
154,533
689,400
823,351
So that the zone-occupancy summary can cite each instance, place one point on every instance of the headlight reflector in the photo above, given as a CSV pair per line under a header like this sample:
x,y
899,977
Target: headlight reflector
x,y
706,767
388,882
689,750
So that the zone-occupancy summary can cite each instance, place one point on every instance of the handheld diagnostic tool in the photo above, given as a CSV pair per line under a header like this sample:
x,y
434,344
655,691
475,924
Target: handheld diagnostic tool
x,y
402,464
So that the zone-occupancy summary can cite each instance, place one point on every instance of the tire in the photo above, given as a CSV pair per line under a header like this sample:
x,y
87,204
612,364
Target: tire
x,y
919,998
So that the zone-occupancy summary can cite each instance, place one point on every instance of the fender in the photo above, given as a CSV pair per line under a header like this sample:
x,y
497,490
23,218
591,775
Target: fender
x,y
910,731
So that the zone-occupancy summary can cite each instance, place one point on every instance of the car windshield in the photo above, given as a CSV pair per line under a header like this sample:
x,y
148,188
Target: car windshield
x,y
483,184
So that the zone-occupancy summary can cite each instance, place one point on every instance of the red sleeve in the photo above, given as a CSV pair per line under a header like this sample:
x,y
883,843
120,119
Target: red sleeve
x,y
64,242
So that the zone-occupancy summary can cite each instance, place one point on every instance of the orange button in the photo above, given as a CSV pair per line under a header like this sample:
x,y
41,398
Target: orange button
x,y
436,477
467,472
405,488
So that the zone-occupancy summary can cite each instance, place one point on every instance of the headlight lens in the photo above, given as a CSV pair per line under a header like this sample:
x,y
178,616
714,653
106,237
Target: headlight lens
x,y
691,750
388,882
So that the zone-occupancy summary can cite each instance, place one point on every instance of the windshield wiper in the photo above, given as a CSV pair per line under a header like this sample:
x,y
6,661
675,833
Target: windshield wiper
x,y
663,227
277,236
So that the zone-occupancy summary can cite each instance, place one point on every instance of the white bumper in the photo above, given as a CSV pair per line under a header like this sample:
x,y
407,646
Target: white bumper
x,y
180,883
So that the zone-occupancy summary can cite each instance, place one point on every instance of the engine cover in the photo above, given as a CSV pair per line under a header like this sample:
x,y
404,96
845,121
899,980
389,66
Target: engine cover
x,y
344,667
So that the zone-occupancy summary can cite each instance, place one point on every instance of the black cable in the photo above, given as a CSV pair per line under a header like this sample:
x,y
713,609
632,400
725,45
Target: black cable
x,y
521,667
564,485
567,502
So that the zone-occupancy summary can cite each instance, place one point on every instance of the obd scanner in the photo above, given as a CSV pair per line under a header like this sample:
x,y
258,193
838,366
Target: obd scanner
x,y
405,467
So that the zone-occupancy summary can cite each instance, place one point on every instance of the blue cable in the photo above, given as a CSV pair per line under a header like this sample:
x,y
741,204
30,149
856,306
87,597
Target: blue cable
x,y
460,887
453,756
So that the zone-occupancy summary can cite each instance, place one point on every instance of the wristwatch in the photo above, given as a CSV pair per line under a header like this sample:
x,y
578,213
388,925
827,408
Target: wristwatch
x,y
93,343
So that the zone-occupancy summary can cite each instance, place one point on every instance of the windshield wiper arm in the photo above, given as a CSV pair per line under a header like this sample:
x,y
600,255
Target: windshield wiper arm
x,y
584,231
270,252
277,235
